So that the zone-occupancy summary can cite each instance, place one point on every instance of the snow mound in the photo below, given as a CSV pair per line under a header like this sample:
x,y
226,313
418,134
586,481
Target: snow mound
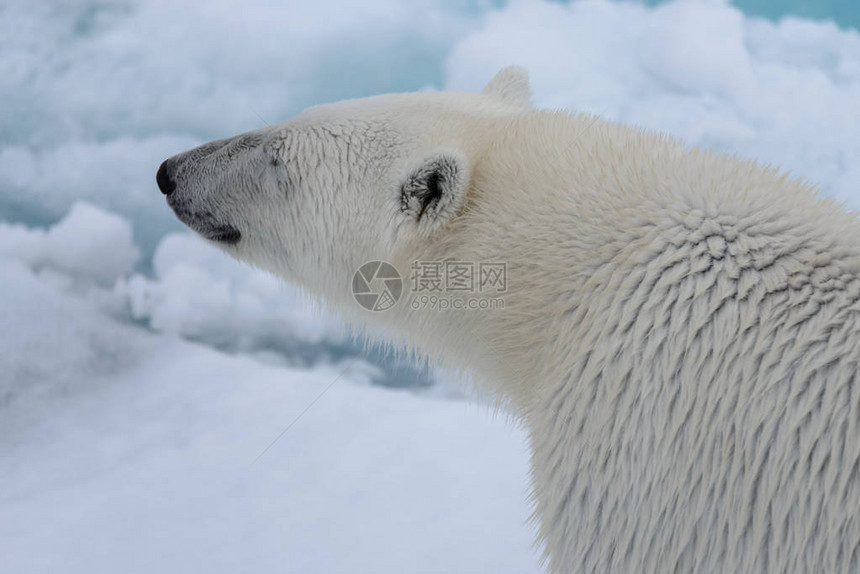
x,y
88,242
200,292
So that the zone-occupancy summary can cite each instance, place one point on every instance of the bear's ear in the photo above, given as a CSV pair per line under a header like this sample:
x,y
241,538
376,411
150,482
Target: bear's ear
x,y
434,189
511,84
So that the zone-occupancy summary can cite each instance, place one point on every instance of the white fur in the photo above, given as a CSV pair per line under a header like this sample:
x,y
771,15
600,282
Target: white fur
x,y
680,333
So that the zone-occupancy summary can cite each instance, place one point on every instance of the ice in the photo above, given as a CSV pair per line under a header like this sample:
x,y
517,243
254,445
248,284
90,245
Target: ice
x,y
125,451
97,69
142,371
88,243
200,292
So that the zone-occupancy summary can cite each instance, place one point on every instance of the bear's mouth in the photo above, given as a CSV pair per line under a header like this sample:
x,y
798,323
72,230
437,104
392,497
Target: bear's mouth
x,y
207,225
222,233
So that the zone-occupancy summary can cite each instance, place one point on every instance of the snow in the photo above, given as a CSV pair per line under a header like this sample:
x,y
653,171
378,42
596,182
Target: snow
x,y
88,242
198,292
143,374
139,453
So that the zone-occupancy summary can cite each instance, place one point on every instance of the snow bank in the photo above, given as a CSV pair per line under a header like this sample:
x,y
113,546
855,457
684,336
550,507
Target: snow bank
x,y
88,243
200,292
98,69
40,182
125,451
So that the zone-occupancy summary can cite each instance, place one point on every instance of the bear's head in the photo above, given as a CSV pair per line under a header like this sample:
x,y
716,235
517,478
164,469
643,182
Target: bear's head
x,y
314,198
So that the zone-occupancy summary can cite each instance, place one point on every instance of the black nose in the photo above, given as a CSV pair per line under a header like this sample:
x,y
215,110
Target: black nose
x,y
165,182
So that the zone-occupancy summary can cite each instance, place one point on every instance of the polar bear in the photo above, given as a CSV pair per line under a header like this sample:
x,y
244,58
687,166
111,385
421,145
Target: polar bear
x,y
680,332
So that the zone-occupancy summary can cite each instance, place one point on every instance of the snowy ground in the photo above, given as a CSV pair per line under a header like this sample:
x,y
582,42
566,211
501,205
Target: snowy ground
x,y
145,459
142,373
